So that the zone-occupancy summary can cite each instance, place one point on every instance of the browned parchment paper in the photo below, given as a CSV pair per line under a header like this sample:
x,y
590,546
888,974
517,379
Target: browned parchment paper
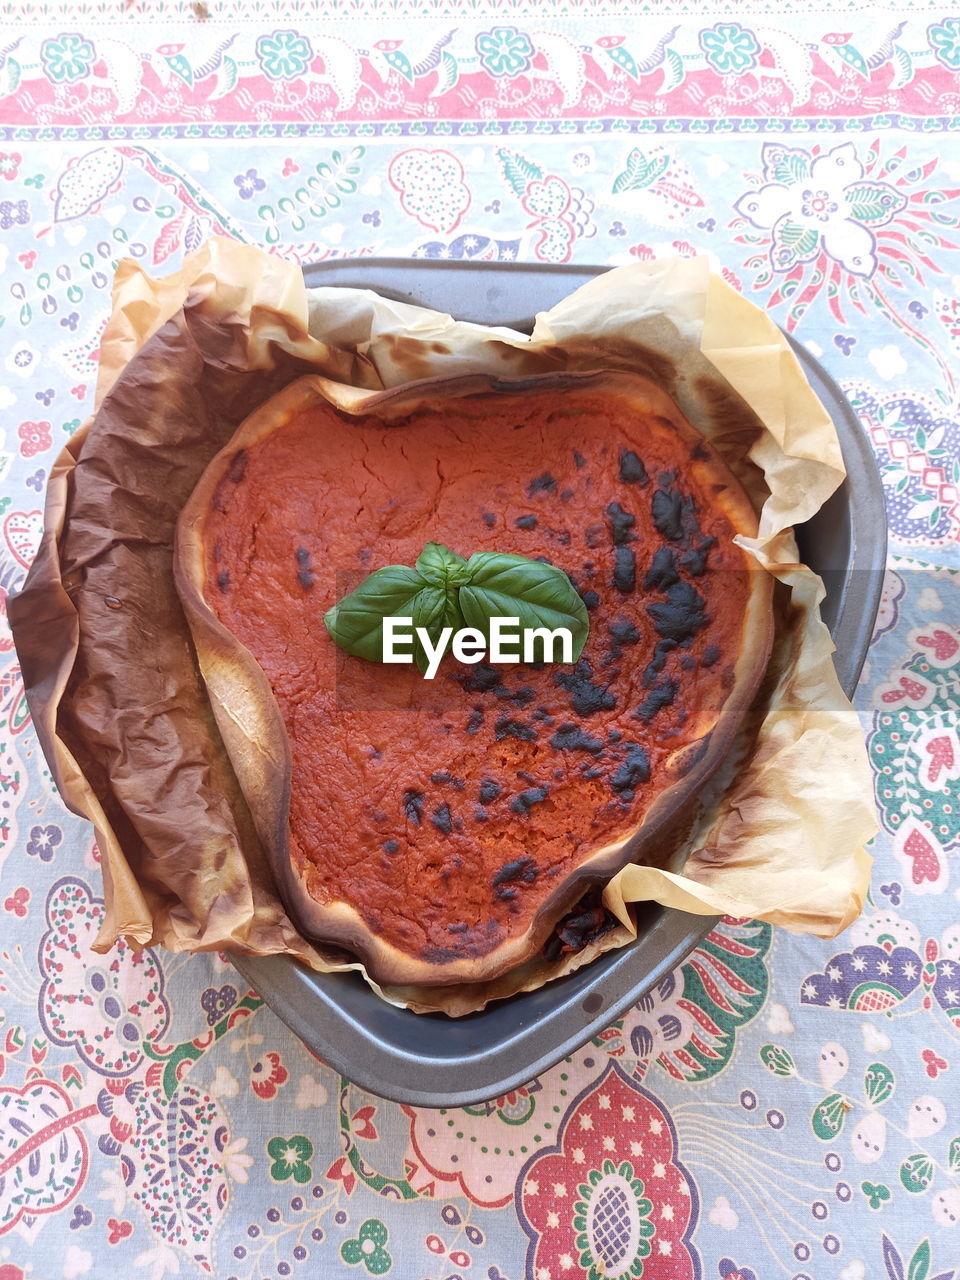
x,y
107,657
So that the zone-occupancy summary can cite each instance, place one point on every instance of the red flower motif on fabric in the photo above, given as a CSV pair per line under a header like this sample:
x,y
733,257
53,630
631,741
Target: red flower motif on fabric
x,y
269,1074
361,1123
35,437
10,162
341,1171
17,902
933,1063
611,1198
118,1229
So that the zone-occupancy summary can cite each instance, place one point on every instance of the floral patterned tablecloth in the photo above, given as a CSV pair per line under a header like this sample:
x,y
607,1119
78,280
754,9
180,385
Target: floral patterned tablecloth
x,y
778,1107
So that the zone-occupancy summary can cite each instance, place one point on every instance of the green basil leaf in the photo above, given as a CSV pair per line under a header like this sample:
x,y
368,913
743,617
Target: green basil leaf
x,y
442,567
356,621
431,610
510,586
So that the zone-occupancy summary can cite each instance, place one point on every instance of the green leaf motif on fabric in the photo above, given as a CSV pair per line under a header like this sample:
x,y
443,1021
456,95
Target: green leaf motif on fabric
x,y
793,243
853,58
640,172
518,170
776,1059
674,73
878,1083
874,203
624,60
919,1267
785,164
829,1115
180,66
916,1173
726,981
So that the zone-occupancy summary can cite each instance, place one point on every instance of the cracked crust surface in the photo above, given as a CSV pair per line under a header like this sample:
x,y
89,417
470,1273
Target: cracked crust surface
x,y
440,828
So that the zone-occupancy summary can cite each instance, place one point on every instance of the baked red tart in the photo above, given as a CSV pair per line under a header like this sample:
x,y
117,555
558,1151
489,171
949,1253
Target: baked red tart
x,y
439,829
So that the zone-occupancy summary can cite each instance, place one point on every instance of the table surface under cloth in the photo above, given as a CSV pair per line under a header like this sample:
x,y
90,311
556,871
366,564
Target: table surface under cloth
x,y
780,1106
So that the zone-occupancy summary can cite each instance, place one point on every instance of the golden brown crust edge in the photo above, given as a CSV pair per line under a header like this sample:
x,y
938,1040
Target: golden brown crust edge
x,y
255,737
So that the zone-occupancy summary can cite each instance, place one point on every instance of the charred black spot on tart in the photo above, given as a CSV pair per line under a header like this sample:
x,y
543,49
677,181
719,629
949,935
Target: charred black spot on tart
x,y
544,483
475,720
489,519
663,694
681,615
413,805
391,846
489,790
570,737
668,514
507,728
621,522
695,560
232,476
482,679
662,573
579,460
525,800
522,696
223,580
622,634
590,599
625,570
305,574
526,522
523,869
633,770
443,776
675,516
586,695
586,923
632,470
710,656
659,660
442,819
